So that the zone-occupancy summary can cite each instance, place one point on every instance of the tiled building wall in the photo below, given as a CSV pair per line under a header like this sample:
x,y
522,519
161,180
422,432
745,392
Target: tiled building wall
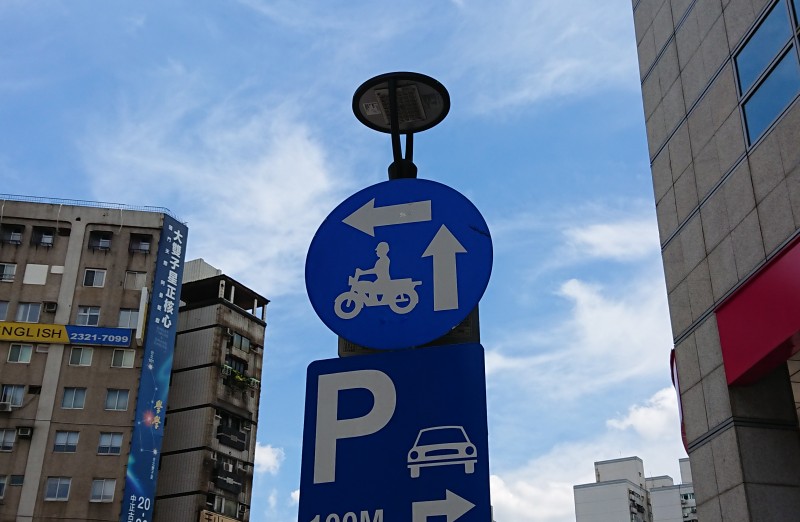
x,y
723,211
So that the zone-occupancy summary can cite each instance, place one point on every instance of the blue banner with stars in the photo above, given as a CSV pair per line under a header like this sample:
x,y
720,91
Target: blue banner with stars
x,y
151,404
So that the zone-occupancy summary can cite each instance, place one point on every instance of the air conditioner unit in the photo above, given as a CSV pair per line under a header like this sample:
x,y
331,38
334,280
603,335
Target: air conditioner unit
x,y
214,455
24,431
5,406
228,466
246,426
50,306
242,509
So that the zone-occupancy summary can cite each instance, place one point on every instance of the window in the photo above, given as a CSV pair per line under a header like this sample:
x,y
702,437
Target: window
x,y
110,444
66,442
74,398
20,353
88,315
3,310
241,342
11,234
225,506
122,358
13,394
135,280
81,356
43,236
768,70
236,363
2,486
7,438
100,240
7,272
140,243
103,490
117,400
16,480
772,96
57,488
28,312
95,277
128,318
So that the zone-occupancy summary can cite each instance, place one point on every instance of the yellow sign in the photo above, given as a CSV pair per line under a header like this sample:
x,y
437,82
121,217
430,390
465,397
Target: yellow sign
x,y
34,332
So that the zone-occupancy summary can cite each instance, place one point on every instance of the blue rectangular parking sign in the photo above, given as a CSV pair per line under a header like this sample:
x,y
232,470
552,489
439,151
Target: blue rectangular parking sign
x,y
397,437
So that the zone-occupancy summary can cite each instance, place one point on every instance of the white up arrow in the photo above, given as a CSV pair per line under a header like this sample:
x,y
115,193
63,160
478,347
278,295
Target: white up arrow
x,y
368,217
453,507
443,248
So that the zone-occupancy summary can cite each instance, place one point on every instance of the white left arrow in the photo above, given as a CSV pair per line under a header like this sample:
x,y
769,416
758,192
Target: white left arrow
x,y
453,507
368,216
443,248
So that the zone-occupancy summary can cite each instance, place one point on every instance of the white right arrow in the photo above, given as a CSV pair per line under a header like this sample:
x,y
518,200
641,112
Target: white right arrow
x,y
443,248
453,507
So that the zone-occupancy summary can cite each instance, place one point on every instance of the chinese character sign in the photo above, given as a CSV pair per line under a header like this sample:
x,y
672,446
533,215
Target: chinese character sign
x,y
151,404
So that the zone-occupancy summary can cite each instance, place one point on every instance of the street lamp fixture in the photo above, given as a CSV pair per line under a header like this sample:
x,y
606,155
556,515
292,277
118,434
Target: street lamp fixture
x,y
401,103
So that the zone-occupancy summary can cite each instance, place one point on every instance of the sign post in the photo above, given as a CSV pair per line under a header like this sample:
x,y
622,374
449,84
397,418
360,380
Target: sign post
x,y
398,435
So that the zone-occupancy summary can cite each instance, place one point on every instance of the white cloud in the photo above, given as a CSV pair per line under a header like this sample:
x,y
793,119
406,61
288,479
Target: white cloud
x,y
628,240
294,497
523,51
616,333
541,490
272,499
252,180
268,459
653,420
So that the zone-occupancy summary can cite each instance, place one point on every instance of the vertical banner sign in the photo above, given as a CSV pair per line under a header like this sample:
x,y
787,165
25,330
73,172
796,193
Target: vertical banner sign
x,y
151,404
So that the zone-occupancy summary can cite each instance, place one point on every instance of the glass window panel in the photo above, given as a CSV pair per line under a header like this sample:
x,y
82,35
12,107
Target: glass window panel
x,y
28,312
13,394
772,96
94,277
74,398
3,310
88,315
110,443
7,438
20,353
763,46
122,358
81,356
57,488
797,11
117,400
128,317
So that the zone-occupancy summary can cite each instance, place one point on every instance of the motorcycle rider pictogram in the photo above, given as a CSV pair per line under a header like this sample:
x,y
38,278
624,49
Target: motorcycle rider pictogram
x,y
398,294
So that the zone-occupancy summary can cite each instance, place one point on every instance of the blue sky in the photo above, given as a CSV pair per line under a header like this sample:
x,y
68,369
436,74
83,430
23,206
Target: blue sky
x,y
237,116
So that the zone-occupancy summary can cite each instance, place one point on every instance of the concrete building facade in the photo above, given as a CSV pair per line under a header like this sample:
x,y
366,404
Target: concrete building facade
x,y
621,493
89,314
720,81
209,445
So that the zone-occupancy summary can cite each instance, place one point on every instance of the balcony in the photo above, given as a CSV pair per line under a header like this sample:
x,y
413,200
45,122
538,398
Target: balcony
x,y
238,379
228,480
232,437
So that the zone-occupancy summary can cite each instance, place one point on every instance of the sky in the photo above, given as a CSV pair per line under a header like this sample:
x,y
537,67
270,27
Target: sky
x,y
237,117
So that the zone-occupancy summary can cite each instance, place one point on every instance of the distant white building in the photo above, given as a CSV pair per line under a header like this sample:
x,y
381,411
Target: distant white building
x,y
622,493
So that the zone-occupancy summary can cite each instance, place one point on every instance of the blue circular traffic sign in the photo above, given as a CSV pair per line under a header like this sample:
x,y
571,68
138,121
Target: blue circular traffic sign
x,y
399,264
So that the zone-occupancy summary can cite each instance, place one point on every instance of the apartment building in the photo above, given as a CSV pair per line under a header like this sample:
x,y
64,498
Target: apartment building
x,y
90,375
622,493
210,440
